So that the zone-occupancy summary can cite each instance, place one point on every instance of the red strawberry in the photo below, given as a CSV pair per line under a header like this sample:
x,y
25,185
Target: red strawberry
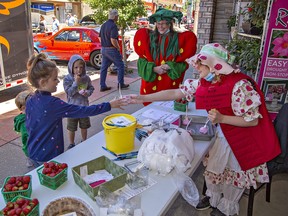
x,y
35,201
64,165
8,187
18,211
51,164
20,201
27,210
25,186
15,188
26,179
18,183
32,204
5,210
19,178
10,205
12,212
46,165
12,180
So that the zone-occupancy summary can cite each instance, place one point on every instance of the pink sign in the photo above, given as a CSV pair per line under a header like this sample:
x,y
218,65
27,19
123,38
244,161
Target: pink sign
x,y
273,75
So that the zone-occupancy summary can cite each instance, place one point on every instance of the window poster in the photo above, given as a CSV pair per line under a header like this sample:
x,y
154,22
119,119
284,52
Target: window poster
x,y
273,75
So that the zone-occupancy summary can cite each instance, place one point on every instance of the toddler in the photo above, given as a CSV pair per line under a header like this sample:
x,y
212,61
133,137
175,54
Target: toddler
x,y
78,87
19,122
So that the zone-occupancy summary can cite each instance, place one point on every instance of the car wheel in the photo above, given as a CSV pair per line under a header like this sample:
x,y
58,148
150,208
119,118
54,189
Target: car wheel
x,y
95,59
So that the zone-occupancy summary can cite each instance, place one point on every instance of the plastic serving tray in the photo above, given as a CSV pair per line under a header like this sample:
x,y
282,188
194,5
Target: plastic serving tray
x,y
196,123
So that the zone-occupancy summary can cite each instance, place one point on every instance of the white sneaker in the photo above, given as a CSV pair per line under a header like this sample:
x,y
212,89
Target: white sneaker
x,y
29,163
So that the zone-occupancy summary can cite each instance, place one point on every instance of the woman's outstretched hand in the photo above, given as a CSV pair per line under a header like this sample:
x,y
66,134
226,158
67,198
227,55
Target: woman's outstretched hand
x,y
133,99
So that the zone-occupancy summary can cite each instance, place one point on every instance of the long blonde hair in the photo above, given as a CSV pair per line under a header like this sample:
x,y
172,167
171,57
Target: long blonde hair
x,y
39,67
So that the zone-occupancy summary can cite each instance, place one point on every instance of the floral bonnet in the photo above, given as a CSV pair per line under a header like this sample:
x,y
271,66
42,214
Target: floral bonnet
x,y
215,57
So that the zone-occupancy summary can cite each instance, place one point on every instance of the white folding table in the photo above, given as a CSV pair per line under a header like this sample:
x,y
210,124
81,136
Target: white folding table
x,y
156,200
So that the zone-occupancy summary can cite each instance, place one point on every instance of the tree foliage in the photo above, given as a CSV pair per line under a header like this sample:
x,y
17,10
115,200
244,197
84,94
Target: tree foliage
x,y
128,10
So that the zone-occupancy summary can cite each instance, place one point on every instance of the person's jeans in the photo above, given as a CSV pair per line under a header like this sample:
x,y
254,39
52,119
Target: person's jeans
x,y
111,55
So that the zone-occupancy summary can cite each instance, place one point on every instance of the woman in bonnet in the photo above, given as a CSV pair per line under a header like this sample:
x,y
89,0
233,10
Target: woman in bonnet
x,y
245,137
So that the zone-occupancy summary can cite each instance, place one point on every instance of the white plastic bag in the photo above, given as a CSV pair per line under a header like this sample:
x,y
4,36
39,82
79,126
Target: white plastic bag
x,y
163,150
186,187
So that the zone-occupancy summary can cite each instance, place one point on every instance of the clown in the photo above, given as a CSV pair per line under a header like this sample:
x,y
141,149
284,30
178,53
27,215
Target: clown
x,y
162,52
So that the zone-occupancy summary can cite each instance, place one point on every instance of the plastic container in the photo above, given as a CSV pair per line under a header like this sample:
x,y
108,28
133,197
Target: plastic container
x,y
119,138
52,182
195,125
34,211
180,106
9,195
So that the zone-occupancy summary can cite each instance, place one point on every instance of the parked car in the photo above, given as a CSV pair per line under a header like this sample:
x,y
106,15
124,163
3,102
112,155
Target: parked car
x,y
141,22
88,20
68,41
35,28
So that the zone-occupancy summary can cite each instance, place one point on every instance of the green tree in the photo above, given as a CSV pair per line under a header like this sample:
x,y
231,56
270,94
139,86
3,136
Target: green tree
x,y
128,11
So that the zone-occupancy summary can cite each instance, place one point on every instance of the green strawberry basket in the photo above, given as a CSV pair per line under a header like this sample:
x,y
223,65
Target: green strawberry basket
x,y
34,211
180,105
52,182
9,195
101,163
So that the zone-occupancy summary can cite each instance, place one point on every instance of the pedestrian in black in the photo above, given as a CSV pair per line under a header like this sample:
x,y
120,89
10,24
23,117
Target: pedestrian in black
x,y
111,51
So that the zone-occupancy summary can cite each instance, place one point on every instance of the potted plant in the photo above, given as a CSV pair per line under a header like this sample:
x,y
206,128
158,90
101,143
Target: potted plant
x,y
254,17
231,22
246,53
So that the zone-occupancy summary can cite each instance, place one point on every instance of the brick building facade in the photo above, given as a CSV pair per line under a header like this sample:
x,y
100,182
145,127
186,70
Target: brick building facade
x,y
211,17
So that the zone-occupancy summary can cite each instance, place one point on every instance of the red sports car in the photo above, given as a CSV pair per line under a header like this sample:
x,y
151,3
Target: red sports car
x,y
142,22
83,41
